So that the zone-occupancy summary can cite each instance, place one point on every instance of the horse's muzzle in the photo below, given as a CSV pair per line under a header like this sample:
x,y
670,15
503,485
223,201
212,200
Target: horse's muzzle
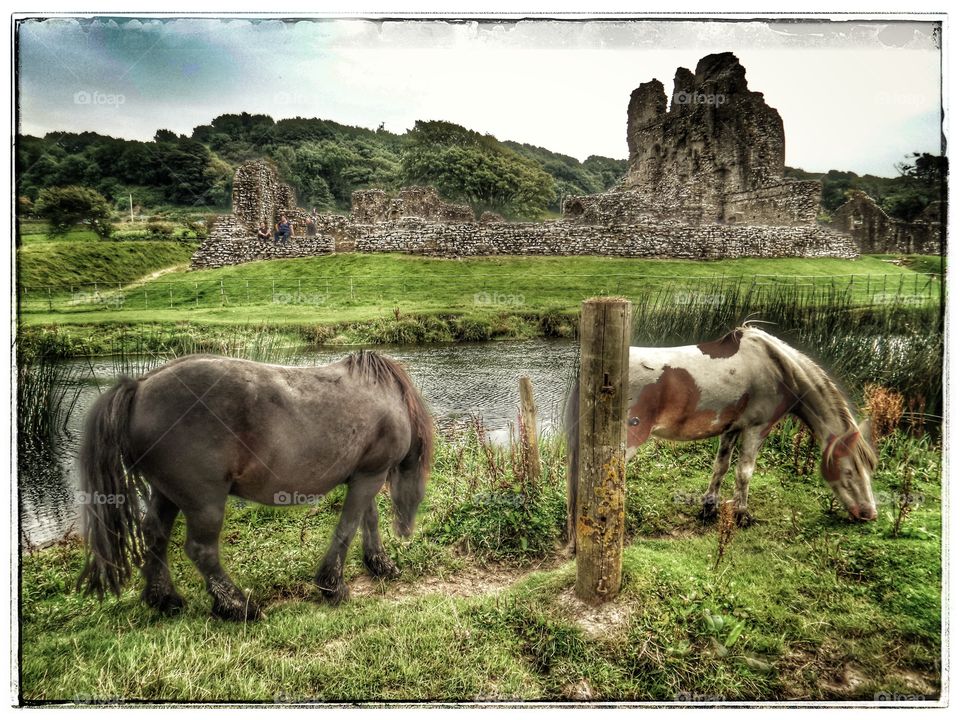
x,y
863,513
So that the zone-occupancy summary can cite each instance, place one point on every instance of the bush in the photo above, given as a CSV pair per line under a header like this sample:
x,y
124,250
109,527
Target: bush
x,y
159,228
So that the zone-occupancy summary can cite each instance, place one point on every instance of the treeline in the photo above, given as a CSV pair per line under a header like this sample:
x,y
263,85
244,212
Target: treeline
x,y
323,160
922,180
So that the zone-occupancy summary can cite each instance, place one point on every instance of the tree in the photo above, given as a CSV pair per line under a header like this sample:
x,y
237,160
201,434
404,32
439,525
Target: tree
x,y
164,135
65,207
922,181
467,166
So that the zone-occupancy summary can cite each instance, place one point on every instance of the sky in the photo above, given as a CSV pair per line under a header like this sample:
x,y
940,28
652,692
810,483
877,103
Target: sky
x,y
855,95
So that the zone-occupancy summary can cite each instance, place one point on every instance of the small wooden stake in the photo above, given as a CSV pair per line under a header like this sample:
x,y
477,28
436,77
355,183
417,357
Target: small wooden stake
x,y
528,415
605,325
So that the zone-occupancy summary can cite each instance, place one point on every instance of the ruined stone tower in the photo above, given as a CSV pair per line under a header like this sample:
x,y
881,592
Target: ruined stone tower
x,y
716,156
259,196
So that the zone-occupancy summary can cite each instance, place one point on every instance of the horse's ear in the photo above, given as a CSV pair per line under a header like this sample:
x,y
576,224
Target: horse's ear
x,y
846,444
866,430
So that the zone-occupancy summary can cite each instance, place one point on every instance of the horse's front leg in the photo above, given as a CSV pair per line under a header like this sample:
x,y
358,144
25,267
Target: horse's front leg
x,y
361,493
749,449
721,464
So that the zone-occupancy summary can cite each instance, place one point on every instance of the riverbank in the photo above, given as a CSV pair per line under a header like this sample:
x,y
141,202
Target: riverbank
x,y
803,605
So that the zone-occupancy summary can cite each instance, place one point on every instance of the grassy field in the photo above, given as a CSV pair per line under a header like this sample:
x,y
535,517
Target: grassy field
x,y
354,288
802,606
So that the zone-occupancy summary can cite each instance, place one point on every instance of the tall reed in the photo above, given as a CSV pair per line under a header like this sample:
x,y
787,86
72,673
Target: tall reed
x,y
895,343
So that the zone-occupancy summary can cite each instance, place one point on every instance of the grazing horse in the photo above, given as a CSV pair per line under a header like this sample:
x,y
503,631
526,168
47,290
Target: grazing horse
x,y
201,427
739,387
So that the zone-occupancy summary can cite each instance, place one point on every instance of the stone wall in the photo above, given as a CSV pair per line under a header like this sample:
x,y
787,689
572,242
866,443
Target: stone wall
x,y
230,243
652,240
876,232
472,239
793,203
374,206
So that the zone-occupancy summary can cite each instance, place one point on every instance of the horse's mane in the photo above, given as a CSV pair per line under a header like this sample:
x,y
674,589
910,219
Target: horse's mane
x,y
800,372
382,369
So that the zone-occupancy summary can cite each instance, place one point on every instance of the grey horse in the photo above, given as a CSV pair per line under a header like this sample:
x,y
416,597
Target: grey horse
x,y
200,428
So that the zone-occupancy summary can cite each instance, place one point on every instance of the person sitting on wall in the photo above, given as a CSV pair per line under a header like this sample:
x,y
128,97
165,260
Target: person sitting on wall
x,y
263,234
284,230
312,223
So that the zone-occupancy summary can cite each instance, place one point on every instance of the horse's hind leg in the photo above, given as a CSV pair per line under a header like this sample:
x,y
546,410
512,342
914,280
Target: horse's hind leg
x,y
375,557
158,590
361,492
720,466
203,548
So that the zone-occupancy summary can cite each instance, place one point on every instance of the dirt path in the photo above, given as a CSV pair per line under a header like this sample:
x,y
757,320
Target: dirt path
x,y
467,582
596,621
156,274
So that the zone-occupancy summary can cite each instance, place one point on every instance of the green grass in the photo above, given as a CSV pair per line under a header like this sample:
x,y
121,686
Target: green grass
x,y
354,288
33,233
804,604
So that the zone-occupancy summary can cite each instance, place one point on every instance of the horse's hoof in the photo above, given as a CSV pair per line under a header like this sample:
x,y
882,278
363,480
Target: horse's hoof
x,y
237,610
708,513
168,603
332,588
381,566
334,594
744,518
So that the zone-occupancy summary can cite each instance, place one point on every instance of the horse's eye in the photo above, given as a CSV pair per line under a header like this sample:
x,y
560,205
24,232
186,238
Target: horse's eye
x,y
633,421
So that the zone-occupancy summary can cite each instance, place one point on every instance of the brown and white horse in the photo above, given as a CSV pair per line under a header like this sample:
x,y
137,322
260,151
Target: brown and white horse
x,y
739,387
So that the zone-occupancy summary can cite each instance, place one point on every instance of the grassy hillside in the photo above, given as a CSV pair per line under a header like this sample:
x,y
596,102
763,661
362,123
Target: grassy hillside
x,y
67,262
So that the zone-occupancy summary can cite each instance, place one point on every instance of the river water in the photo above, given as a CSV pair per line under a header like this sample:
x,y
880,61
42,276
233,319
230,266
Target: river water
x,y
459,381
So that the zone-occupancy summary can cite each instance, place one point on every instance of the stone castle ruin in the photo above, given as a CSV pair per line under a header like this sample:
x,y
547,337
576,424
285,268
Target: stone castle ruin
x,y
876,232
715,157
705,181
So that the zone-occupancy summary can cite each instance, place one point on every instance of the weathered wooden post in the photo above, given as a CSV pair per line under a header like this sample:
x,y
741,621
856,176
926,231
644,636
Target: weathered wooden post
x,y
605,326
528,416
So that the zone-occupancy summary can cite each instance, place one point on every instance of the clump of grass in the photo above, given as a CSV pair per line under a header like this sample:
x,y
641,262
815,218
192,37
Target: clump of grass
x,y
137,352
804,447
490,504
885,408
46,395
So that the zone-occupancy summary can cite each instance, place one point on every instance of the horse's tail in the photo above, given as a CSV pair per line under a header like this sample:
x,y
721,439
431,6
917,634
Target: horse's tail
x,y
111,488
572,425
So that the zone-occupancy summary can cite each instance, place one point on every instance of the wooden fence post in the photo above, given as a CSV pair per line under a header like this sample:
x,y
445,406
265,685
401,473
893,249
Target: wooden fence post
x,y
528,416
605,329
